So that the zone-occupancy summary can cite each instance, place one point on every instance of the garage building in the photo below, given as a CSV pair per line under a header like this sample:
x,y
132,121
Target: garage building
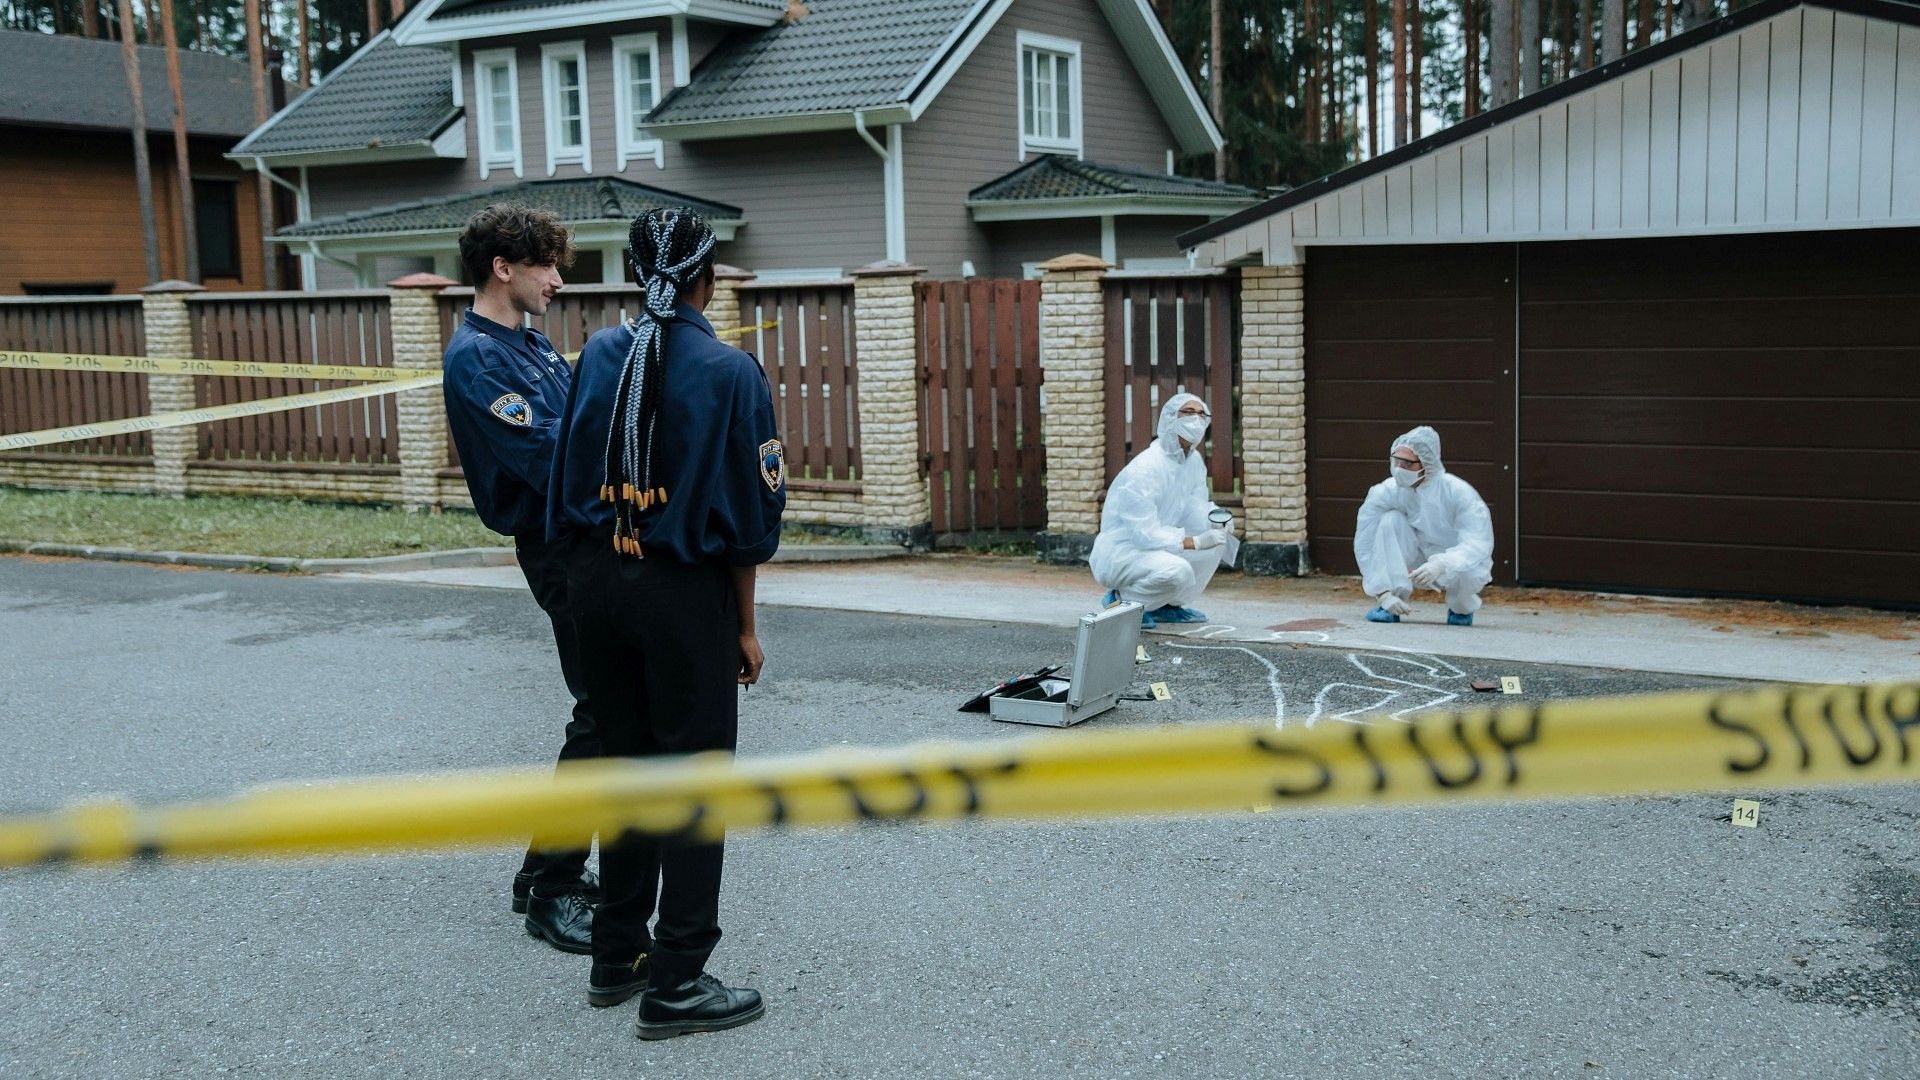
x,y
1665,315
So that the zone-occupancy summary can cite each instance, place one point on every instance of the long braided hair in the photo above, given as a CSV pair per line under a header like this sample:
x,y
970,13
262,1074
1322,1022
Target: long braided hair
x,y
670,250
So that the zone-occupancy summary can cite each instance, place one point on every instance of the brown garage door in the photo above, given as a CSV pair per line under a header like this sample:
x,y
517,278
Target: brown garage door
x,y
1398,336
1734,415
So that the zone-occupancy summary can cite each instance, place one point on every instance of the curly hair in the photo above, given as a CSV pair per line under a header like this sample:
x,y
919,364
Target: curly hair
x,y
518,234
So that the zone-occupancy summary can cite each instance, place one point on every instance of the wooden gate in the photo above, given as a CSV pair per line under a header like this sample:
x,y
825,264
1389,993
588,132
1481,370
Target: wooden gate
x,y
810,359
1168,335
980,404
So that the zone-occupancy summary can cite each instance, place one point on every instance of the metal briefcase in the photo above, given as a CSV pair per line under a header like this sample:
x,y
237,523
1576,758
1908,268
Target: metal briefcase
x,y
1103,657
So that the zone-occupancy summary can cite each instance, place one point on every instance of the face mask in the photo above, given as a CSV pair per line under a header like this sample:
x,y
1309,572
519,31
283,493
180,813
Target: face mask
x,y
1406,478
1191,428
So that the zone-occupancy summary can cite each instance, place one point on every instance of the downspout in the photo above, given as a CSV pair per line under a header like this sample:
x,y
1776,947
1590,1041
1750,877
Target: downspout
x,y
302,209
893,183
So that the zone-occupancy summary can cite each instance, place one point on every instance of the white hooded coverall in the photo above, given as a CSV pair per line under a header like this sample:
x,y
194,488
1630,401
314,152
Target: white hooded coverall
x,y
1156,502
1442,519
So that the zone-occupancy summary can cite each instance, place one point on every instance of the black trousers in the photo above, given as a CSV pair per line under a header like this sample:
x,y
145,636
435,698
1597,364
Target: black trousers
x,y
660,648
545,566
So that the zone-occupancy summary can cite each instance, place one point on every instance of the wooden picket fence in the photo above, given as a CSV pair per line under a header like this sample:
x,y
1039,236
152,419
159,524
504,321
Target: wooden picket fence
x,y
811,361
32,400
341,327
1167,335
980,404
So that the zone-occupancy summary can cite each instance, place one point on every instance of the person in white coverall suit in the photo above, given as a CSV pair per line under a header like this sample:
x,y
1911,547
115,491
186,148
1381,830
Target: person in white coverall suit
x,y
1156,546
1423,528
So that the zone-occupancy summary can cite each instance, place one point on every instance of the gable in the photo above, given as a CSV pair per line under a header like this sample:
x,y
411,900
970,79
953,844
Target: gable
x,y
1784,116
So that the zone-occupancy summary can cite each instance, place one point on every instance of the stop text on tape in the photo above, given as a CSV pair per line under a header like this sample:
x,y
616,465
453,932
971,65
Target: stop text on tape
x,y
1792,737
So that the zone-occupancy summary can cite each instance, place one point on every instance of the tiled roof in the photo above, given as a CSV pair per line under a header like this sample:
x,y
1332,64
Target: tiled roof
x,y
1053,177
843,55
69,81
385,95
488,7
577,200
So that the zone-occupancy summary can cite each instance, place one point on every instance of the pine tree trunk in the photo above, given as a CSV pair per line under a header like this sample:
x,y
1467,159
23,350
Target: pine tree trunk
x,y
1698,13
1500,63
1399,73
1417,32
396,9
1613,30
1529,46
1643,25
142,166
1309,49
306,44
182,157
1470,17
89,18
1586,35
373,18
1216,89
1372,60
257,66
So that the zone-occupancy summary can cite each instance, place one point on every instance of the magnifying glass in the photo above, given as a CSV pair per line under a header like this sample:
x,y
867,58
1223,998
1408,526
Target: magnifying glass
x,y
1220,517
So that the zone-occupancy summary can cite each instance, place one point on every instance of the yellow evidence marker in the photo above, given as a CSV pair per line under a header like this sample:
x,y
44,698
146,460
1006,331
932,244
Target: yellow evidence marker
x,y
1746,813
1161,693
1509,684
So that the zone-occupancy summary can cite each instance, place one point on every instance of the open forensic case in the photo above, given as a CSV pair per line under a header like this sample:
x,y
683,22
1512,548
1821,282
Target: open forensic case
x,y
1103,658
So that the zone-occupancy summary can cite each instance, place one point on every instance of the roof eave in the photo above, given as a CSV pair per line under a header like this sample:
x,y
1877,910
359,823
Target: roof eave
x,y
449,143
452,28
589,230
783,124
1094,206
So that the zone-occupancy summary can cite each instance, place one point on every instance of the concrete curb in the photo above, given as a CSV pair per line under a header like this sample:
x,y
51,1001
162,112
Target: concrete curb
x,y
460,559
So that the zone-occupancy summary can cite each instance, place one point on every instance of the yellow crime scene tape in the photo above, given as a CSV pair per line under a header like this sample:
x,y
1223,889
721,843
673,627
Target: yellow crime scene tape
x,y
48,436
227,369
1792,737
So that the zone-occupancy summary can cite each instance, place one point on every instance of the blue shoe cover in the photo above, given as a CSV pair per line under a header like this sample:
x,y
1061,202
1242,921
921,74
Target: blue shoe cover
x,y
1455,619
1175,614
1381,614
1146,620
1112,598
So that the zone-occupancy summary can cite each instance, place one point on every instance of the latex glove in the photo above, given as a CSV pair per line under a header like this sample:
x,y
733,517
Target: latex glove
x,y
1425,575
1212,538
1393,604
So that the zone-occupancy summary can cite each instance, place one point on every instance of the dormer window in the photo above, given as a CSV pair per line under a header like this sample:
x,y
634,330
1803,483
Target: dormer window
x,y
1049,95
496,94
636,90
563,74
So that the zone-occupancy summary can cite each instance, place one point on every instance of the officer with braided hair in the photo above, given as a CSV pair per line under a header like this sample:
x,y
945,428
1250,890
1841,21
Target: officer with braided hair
x,y
669,483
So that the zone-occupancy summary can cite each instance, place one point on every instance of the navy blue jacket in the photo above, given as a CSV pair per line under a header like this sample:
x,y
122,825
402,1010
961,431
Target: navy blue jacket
x,y
505,391
717,452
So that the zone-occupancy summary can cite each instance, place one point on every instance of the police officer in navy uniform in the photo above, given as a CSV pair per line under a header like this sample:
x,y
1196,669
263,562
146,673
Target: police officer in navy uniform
x,y
672,478
505,387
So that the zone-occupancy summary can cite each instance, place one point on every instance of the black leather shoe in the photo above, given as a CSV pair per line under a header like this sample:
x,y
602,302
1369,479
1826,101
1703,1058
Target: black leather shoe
x,y
564,922
589,888
611,984
702,1004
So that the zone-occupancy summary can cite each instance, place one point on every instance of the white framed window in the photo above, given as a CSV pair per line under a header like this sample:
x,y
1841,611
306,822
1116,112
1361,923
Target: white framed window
x,y
636,90
1049,76
496,102
563,83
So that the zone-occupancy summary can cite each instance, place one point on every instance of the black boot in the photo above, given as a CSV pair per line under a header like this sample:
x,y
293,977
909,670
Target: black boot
x,y
589,888
700,1004
564,922
611,984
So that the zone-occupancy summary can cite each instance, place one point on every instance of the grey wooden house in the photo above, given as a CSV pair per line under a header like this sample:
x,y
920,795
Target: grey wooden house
x,y
967,136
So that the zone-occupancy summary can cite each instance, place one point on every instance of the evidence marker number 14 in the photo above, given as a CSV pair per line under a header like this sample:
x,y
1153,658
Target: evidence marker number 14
x,y
1746,813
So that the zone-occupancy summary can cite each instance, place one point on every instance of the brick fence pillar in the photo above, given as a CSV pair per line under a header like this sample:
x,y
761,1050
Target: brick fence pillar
x,y
1274,418
1073,361
723,311
414,314
893,486
170,334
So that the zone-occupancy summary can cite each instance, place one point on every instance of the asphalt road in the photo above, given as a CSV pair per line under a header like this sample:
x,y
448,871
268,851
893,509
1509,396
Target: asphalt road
x,y
1635,937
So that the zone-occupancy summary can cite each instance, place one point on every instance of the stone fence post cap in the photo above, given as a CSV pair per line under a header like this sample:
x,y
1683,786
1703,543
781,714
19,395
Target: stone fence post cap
x,y
421,280
886,267
1076,262
724,272
173,287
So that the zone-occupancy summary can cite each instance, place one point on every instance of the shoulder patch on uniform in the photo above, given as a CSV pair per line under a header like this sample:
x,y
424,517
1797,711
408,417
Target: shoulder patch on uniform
x,y
513,409
773,464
